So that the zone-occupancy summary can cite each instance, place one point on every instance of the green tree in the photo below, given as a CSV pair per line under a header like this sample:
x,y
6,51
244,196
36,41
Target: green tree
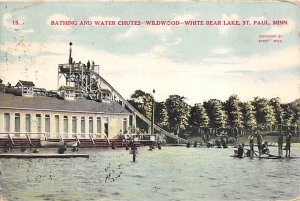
x,y
142,101
178,111
234,114
288,115
276,103
265,115
296,117
161,115
216,113
249,116
198,117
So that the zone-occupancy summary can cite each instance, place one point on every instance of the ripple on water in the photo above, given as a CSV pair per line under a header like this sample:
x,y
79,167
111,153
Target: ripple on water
x,y
177,189
46,196
137,176
116,193
177,174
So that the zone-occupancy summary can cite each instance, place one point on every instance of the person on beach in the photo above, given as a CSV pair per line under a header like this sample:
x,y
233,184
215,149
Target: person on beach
x,y
259,143
280,142
288,145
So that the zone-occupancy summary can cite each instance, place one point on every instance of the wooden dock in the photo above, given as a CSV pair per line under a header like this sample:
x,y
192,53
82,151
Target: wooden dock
x,y
44,156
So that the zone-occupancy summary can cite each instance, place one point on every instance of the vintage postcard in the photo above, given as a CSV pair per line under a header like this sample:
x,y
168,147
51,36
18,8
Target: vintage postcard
x,y
176,100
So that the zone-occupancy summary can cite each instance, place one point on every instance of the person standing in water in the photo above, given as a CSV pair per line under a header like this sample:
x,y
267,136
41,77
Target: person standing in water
x,y
259,143
288,145
251,141
134,152
240,151
280,142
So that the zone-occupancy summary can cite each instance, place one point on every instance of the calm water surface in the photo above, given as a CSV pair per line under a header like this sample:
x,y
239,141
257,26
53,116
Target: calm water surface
x,y
173,173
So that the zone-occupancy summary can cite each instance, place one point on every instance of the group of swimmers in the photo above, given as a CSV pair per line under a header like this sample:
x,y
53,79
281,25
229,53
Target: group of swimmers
x,y
263,147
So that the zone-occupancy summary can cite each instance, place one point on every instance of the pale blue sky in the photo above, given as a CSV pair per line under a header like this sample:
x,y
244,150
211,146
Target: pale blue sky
x,y
197,62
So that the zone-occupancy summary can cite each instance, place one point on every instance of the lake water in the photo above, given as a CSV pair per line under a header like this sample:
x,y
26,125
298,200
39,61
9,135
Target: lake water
x,y
173,173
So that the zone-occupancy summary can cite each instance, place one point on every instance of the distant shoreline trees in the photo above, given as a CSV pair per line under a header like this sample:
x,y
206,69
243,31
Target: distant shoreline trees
x,y
214,117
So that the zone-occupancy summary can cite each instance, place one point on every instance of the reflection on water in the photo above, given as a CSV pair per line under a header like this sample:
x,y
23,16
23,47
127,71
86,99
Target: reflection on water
x,y
173,173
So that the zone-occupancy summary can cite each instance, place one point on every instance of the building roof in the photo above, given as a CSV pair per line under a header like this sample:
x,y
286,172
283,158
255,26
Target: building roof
x,y
45,103
25,83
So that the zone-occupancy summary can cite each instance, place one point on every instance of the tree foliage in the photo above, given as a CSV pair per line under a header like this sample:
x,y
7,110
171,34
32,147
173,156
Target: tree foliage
x,y
278,110
142,101
295,107
198,117
177,116
288,115
233,109
265,114
249,119
216,113
161,115
178,111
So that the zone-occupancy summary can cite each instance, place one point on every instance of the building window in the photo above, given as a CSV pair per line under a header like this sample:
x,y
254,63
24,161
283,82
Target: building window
x,y
74,124
82,126
17,122
28,123
56,117
66,126
98,124
91,129
6,122
47,123
38,123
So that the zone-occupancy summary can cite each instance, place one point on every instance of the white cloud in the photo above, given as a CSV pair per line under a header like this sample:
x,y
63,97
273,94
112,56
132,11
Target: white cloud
x,y
221,50
281,59
142,30
158,49
131,32
185,17
27,31
283,29
57,18
212,78
175,42
30,48
223,29
159,30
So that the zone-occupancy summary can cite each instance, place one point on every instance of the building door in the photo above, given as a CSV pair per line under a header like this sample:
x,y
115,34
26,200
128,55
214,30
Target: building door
x,y
106,129
105,126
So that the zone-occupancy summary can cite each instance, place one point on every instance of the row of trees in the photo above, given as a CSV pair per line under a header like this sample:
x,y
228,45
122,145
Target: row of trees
x,y
237,117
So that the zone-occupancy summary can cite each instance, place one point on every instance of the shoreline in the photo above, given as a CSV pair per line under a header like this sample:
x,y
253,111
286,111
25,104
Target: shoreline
x,y
272,140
